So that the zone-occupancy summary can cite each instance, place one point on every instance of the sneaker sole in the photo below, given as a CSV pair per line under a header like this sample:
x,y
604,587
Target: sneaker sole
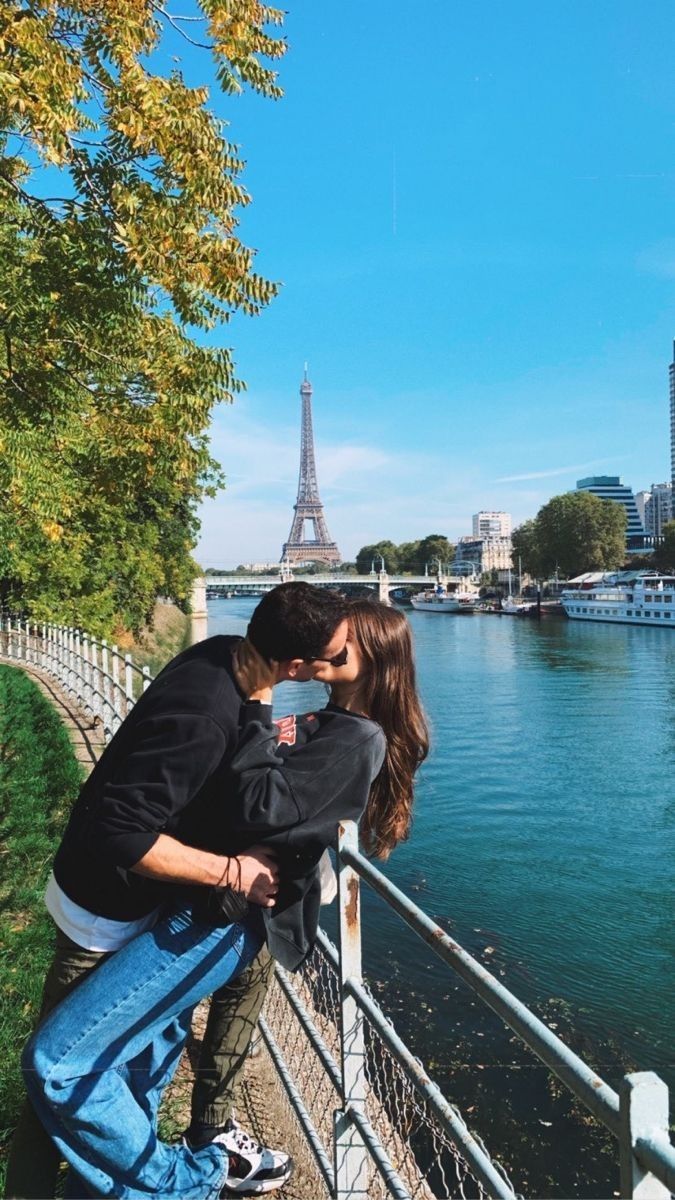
x,y
265,1185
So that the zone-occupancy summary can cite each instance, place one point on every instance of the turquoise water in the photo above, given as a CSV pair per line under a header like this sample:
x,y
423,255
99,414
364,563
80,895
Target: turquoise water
x,y
543,838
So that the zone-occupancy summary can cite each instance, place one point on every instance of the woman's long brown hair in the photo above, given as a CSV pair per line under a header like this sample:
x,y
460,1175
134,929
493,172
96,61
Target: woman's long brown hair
x,y
391,699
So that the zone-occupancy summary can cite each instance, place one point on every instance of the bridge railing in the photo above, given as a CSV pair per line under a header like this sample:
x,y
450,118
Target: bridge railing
x,y
375,1123
100,679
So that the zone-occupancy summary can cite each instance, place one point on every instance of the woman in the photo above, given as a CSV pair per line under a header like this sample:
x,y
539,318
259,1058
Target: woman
x,y
96,1068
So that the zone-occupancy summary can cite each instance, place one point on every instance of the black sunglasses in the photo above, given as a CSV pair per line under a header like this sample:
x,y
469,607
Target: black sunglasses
x,y
338,660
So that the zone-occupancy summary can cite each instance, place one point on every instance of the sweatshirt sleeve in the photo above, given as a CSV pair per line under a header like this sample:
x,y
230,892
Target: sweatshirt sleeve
x,y
171,757
328,777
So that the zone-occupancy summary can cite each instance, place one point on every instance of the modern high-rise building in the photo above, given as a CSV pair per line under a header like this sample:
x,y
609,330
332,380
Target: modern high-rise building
x,y
492,525
659,508
643,501
610,487
671,372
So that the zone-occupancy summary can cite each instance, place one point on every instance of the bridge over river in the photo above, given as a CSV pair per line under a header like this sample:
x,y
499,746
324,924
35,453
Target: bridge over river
x,y
380,582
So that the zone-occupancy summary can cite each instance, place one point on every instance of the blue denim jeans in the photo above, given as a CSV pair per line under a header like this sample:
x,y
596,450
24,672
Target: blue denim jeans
x,y
96,1068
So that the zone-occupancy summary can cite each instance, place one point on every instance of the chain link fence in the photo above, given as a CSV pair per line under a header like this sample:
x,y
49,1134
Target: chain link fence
x,y
414,1142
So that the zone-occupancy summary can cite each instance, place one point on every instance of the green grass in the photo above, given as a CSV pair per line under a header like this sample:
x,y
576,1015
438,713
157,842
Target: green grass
x,y
167,637
39,780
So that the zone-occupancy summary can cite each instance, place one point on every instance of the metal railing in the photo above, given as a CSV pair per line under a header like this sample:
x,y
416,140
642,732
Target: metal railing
x,y
637,1115
101,680
374,1122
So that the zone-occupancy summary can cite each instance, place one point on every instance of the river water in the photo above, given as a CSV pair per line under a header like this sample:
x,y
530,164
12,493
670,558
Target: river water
x,y
543,840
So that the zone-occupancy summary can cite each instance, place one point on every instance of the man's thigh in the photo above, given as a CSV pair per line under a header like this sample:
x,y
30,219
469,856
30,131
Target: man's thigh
x,y
69,965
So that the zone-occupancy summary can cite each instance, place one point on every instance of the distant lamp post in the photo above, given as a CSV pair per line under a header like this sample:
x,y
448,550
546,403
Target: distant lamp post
x,y
372,567
382,566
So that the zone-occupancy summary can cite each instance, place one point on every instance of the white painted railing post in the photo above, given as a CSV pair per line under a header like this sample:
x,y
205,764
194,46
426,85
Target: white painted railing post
x,y
128,684
65,657
78,661
351,1160
86,672
643,1113
61,653
147,678
116,694
95,681
43,656
107,702
72,665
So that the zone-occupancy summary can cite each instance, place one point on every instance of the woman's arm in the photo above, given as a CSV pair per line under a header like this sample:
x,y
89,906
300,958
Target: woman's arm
x,y
326,779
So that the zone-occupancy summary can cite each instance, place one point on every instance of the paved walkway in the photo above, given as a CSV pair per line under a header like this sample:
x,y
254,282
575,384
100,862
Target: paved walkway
x,y
86,735
261,1105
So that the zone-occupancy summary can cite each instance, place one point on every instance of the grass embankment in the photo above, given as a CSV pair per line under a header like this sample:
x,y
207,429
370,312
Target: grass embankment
x,y
168,634
39,780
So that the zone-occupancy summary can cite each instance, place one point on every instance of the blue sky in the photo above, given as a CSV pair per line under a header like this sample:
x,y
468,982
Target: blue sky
x,y
471,206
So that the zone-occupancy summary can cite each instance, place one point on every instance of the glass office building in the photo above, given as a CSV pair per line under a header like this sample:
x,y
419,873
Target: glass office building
x,y
610,487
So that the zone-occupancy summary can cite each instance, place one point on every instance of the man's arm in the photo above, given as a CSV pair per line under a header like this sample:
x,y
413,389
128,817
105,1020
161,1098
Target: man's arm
x,y
167,762
254,873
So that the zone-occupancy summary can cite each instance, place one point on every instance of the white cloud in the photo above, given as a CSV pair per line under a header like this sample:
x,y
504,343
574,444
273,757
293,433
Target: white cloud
x,y
658,259
551,471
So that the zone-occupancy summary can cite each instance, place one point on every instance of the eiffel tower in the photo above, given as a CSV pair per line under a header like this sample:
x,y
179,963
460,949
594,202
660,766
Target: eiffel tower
x,y
308,506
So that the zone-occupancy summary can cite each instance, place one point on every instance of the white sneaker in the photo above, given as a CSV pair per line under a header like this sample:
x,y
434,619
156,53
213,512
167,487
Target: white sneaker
x,y
253,1169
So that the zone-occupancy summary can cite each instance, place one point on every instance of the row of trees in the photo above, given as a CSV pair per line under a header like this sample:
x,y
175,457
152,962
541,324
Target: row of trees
x,y
114,260
410,557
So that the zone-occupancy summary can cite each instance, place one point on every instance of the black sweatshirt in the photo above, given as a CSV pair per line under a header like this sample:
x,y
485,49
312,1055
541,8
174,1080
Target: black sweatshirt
x,y
165,771
293,781
180,765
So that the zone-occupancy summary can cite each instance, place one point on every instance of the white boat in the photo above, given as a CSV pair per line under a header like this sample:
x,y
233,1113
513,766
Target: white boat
x,y
627,598
448,602
517,608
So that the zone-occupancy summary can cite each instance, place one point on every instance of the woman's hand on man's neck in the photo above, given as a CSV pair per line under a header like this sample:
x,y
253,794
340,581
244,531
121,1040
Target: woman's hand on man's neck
x,y
255,676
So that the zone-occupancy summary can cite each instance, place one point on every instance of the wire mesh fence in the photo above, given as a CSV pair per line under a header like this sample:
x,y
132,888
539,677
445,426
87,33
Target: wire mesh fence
x,y
418,1148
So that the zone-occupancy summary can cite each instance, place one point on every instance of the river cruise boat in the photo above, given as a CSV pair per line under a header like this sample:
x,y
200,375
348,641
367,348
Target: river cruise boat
x,y
629,597
446,601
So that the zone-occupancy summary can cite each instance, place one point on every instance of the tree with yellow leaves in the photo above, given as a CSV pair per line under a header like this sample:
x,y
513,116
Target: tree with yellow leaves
x,y
106,392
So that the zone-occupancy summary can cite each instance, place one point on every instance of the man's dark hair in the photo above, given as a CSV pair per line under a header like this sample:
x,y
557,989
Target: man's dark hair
x,y
296,620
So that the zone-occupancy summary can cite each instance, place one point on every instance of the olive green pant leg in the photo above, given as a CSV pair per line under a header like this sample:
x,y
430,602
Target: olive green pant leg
x,y
34,1162
233,1016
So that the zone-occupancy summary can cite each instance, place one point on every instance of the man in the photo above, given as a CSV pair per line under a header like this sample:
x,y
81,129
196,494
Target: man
x,y
143,824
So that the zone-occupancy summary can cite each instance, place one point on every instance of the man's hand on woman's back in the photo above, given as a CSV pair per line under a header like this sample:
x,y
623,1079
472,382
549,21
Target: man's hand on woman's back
x,y
256,875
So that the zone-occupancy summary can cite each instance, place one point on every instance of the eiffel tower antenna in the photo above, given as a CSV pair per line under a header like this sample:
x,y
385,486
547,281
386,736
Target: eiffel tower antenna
x,y
308,506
